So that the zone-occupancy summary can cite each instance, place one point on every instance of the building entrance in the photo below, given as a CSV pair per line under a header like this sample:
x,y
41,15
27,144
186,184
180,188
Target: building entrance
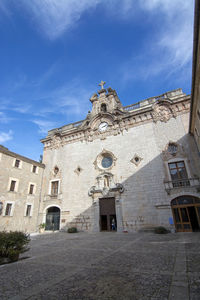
x,y
53,218
108,221
186,213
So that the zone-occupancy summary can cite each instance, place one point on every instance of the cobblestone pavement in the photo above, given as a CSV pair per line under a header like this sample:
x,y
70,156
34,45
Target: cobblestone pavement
x,y
106,266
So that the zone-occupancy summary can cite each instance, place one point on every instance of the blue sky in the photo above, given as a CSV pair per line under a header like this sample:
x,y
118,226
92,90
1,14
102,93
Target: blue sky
x,y
54,53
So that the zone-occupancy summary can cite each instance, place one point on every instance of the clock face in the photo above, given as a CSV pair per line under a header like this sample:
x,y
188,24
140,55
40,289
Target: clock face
x,y
103,126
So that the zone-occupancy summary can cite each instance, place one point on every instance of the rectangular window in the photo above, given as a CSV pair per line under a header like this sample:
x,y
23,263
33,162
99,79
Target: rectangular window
x,y
54,188
8,209
12,185
31,189
34,169
178,174
28,210
17,163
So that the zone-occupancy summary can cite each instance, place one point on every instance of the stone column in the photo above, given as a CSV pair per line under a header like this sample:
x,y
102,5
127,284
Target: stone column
x,y
118,206
95,221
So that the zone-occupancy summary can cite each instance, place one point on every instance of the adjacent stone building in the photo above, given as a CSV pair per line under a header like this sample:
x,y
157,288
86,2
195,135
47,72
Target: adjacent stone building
x,y
194,127
123,168
20,190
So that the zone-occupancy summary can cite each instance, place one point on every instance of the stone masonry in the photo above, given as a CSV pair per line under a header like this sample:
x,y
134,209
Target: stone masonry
x,y
136,139
19,201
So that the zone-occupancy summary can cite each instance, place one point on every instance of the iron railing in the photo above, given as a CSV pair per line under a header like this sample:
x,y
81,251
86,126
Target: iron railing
x,y
181,183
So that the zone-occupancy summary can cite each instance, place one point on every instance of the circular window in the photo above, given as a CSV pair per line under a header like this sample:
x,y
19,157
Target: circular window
x,y
106,161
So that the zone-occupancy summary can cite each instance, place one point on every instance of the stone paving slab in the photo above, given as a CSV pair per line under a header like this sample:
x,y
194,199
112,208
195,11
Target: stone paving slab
x,y
106,266
150,262
103,284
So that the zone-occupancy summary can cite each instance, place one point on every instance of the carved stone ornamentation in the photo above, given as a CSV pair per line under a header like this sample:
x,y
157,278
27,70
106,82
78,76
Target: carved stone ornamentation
x,y
178,151
56,141
78,170
55,172
105,185
163,112
94,97
118,118
136,160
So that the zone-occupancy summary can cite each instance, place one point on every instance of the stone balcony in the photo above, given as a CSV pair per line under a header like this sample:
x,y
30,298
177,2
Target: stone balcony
x,y
187,185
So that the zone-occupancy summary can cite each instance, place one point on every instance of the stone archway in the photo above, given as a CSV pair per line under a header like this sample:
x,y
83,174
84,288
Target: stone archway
x,y
186,213
52,218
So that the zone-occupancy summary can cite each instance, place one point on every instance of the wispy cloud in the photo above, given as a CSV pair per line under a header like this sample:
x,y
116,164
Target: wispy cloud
x,y
22,108
44,125
48,74
70,99
171,50
6,136
168,51
4,118
55,17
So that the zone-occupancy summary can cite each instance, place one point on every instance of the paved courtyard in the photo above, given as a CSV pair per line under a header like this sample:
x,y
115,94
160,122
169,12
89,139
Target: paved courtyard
x,y
106,266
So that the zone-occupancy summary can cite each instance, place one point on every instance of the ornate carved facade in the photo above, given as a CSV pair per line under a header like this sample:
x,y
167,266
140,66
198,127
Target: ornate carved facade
x,y
124,154
117,118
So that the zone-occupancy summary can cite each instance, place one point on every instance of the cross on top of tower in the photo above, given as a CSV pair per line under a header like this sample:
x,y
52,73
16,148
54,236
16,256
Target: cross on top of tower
x,y
101,84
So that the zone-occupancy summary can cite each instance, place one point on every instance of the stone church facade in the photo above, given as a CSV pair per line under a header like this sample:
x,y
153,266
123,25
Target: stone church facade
x,y
123,168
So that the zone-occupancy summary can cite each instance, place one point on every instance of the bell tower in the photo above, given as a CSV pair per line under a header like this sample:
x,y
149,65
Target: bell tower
x,y
106,101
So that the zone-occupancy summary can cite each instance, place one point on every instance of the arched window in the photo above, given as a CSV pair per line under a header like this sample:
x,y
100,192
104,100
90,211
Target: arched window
x,y
103,107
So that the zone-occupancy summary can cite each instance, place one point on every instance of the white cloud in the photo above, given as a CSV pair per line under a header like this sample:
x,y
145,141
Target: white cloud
x,y
4,118
54,17
22,108
168,6
70,99
174,36
44,125
171,49
6,136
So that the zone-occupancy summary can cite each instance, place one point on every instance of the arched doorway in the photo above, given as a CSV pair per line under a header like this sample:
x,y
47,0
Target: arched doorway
x,y
53,218
186,213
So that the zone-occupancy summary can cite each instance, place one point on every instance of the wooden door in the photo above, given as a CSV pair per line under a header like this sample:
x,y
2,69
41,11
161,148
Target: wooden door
x,y
186,213
107,213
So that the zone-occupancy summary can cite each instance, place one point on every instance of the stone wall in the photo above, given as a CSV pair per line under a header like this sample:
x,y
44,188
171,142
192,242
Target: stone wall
x,y
24,175
144,202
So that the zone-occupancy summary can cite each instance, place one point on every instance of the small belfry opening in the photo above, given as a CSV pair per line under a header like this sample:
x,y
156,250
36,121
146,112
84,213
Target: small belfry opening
x,y
103,107
53,218
186,213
